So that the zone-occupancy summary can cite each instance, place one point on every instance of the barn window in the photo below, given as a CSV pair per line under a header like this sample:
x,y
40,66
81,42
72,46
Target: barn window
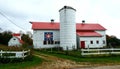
x,y
97,42
57,42
103,41
44,42
91,42
14,39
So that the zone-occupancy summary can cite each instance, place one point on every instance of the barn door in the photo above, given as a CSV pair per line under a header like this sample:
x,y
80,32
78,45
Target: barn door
x,y
82,44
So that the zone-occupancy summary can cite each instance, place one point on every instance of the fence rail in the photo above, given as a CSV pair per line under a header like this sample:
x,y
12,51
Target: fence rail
x,y
14,54
100,51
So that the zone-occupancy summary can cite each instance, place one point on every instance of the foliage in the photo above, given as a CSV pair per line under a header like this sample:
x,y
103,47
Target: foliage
x,y
75,56
5,37
20,64
27,39
11,48
112,41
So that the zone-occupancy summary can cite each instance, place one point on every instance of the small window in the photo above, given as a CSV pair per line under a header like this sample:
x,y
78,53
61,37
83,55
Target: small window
x,y
44,42
97,42
91,42
57,42
14,39
103,41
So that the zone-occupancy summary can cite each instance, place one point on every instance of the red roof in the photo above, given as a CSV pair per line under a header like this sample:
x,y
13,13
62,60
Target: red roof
x,y
90,26
20,40
16,34
45,25
89,33
56,26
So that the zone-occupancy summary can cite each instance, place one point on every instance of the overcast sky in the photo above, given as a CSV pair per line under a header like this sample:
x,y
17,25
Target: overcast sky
x,y
20,12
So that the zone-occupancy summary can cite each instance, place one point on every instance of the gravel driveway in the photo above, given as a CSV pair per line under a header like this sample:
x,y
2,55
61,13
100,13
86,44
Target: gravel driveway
x,y
101,67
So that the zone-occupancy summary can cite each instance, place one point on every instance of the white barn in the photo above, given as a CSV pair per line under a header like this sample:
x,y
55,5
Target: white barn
x,y
68,33
15,40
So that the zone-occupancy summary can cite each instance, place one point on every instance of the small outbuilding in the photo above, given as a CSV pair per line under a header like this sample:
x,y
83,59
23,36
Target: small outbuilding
x,y
15,40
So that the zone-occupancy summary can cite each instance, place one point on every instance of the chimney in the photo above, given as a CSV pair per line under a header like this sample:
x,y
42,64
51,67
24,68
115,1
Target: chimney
x,y
52,20
83,21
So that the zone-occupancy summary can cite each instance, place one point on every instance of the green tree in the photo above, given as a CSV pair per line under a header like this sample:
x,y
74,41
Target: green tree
x,y
5,37
112,41
27,39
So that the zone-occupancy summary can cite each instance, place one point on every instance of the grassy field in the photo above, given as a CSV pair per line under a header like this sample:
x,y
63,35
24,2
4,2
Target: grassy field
x,y
22,65
76,56
18,63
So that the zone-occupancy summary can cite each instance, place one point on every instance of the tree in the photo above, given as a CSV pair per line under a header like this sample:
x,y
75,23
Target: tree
x,y
113,41
5,37
27,39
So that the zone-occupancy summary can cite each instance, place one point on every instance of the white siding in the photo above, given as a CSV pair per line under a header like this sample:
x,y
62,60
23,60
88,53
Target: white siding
x,y
38,38
67,28
94,39
102,32
14,42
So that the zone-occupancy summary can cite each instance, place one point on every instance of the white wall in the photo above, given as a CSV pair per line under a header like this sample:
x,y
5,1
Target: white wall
x,y
38,38
14,42
94,39
103,33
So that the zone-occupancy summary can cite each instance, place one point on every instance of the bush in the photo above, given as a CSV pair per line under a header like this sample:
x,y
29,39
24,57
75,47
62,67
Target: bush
x,y
16,60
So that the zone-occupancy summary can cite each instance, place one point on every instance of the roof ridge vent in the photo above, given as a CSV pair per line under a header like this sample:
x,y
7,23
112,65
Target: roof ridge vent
x,y
83,21
52,20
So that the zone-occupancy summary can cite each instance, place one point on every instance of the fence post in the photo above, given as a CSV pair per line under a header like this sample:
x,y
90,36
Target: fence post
x,y
29,52
67,48
82,52
98,51
1,53
51,49
112,51
23,54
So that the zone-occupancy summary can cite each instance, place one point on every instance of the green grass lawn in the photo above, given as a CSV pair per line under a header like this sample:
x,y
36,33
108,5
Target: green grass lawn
x,y
22,65
76,56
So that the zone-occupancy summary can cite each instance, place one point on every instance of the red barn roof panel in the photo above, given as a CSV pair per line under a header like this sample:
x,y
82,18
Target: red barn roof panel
x,y
56,26
87,34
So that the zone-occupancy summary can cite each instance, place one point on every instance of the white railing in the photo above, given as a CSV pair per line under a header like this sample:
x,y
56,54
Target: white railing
x,y
100,51
14,54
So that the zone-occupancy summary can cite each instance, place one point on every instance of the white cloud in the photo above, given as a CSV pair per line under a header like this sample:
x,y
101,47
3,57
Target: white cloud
x,y
105,12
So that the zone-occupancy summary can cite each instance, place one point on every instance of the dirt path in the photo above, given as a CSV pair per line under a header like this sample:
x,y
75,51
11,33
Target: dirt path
x,y
101,67
53,62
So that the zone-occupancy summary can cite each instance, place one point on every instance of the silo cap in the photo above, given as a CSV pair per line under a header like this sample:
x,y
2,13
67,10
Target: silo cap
x,y
67,7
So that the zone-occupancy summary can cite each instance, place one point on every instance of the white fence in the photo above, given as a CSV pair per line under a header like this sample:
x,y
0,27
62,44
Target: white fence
x,y
100,51
14,54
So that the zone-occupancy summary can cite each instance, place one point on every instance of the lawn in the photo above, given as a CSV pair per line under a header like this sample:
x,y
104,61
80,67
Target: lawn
x,y
76,56
28,62
22,65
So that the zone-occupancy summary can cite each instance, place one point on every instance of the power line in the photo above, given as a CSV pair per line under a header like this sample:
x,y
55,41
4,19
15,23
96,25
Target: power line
x,y
10,20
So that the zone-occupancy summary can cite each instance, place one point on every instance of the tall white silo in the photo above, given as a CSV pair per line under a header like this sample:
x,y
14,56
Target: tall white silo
x,y
67,28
